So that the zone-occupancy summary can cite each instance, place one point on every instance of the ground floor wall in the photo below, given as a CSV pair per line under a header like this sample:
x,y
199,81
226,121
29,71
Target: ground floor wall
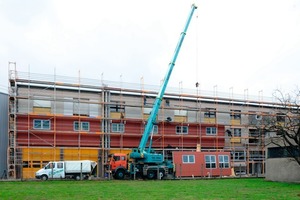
x,y
282,169
35,158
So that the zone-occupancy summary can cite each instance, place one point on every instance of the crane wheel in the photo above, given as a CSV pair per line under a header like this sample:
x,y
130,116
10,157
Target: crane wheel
x,y
151,174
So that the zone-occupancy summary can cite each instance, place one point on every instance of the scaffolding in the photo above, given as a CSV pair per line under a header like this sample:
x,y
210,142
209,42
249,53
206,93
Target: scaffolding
x,y
41,105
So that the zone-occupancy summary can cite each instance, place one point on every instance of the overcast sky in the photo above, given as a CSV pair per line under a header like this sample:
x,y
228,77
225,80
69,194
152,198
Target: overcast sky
x,y
231,45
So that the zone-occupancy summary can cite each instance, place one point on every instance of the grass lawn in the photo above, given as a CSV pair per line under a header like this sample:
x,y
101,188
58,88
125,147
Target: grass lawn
x,y
166,189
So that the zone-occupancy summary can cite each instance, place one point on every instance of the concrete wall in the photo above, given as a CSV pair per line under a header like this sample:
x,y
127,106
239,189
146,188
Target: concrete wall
x,y
3,132
282,169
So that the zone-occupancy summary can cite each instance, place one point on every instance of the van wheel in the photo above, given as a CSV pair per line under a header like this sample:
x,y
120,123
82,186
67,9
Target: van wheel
x,y
77,177
44,178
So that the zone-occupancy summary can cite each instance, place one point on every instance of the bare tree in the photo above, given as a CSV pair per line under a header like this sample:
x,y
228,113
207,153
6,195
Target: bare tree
x,y
283,128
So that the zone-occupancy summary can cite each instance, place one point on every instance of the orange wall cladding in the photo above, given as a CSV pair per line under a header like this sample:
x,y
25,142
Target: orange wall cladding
x,y
62,133
36,158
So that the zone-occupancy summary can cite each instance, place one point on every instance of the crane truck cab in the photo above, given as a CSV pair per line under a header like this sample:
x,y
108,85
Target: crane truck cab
x,y
118,165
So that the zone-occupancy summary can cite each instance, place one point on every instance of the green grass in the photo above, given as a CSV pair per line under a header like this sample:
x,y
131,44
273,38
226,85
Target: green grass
x,y
168,189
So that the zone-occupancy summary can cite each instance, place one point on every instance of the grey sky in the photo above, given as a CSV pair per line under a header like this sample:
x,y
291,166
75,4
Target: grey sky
x,y
234,44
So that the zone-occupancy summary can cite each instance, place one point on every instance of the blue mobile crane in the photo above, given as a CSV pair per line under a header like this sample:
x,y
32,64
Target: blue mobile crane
x,y
144,161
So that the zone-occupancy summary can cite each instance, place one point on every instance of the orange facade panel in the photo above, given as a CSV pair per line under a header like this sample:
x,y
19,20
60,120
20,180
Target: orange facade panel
x,y
180,118
40,154
36,158
80,154
42,110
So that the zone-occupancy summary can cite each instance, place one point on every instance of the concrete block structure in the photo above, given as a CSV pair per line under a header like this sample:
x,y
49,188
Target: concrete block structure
x,y
54,117
280,166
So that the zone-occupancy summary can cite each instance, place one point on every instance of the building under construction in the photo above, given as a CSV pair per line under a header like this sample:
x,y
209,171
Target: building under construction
x,y
55,117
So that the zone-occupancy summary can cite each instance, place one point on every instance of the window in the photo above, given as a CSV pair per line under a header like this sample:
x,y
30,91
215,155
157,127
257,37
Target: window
x,y
280,117
81,126
254,136
167,103
237,132
253,133
117,158
180,113
117,127
210,113
283,152
60,165
188,159
238,156
223,161
155,129
117,106
210,161
41,124
256,156
182,129
50,166
235,114
211,131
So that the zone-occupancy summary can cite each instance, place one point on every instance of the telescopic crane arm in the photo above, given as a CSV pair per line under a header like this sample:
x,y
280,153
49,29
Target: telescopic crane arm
x,y
152,118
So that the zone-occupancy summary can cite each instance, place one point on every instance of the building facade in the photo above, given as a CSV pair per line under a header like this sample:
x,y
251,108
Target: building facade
x,y
3,134
62,118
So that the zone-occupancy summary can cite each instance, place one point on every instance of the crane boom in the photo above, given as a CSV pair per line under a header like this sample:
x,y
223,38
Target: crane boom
x,y
140,153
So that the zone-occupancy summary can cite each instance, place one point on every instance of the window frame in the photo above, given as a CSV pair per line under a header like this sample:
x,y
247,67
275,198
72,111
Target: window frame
x,y
155,129
235,114
237,132
117,106
211,132
222,162
182,130
280,117
42,122
239,156
80,126
210,113
120,127
210,163
60,165
188,159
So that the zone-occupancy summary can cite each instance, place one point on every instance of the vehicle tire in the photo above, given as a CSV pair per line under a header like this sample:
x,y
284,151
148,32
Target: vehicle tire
x,y
120,174
44,177
77,177
151,174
